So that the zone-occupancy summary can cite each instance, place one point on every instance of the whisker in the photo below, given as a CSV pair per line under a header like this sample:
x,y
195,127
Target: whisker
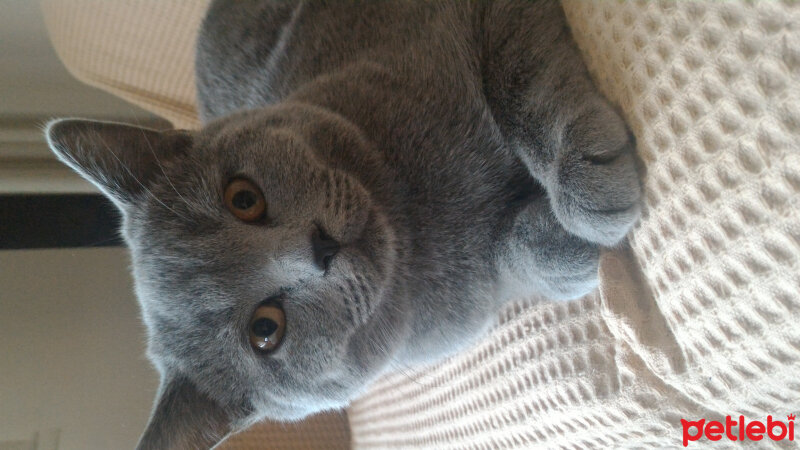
x,y
100,242
161,167
401,367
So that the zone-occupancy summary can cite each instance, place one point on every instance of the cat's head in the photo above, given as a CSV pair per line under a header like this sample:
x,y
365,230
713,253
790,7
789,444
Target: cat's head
x,y
261,269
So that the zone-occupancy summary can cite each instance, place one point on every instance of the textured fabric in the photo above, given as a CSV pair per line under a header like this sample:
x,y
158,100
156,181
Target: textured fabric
x,y
551,375
696,320
712,92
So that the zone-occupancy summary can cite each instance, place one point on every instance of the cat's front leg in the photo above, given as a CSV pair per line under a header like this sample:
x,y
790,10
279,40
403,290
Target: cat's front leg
x,y
551,114
591,175
581,151
541,257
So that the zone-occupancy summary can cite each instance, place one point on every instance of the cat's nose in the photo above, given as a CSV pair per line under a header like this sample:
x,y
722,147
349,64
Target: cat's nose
x,y
324,247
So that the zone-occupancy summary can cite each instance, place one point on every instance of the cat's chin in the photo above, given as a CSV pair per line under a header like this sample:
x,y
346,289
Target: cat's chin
x,y
294,412
284,415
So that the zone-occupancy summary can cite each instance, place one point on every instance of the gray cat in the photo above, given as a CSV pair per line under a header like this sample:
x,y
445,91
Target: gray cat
x,y
374,179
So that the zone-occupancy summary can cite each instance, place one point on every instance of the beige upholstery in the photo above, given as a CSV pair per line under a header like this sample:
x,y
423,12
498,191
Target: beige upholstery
x,y
329,431
712,91
140,50
697,320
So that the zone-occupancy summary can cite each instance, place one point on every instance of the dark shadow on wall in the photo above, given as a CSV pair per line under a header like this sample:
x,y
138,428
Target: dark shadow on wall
x,y
57,221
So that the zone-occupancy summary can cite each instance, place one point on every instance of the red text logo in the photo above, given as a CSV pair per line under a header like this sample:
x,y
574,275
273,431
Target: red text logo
x,y
738,430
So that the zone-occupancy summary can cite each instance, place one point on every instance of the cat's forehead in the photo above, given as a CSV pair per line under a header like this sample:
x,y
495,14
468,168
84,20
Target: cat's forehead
x,y
243,133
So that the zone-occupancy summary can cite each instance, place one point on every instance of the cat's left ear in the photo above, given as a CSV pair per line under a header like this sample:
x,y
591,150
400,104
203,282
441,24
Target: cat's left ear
x,y
121,160
183,417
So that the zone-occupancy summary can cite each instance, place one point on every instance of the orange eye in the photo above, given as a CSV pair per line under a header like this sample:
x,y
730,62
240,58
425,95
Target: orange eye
x,y
267,327
245,200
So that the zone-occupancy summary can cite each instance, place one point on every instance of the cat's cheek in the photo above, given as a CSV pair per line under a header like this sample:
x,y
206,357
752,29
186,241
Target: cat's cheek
x,y
318,357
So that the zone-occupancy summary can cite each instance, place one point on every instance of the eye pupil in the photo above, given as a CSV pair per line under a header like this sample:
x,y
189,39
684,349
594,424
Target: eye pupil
x,y
264,327
244,200
267,327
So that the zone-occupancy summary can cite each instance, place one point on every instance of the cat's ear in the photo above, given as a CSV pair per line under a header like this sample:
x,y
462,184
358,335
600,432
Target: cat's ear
x,y
184,417
119,159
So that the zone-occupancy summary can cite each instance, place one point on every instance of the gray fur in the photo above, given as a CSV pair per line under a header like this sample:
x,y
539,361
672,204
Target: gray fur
x,y
458,150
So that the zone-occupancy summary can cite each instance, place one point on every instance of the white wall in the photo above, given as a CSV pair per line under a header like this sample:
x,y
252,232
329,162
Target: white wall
x,y
72,349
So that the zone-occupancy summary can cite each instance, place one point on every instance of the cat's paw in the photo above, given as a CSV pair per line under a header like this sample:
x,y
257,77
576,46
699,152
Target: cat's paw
x,y
558,264
595,189
574,274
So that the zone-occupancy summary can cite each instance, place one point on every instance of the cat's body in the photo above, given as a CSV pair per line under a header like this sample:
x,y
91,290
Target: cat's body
x,y
456,152
429,85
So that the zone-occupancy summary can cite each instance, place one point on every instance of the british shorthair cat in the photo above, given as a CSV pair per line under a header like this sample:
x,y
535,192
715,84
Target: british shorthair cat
x,y
372,182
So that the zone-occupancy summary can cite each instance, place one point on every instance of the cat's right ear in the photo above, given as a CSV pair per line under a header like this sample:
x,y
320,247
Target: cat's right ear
x,y
121,160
